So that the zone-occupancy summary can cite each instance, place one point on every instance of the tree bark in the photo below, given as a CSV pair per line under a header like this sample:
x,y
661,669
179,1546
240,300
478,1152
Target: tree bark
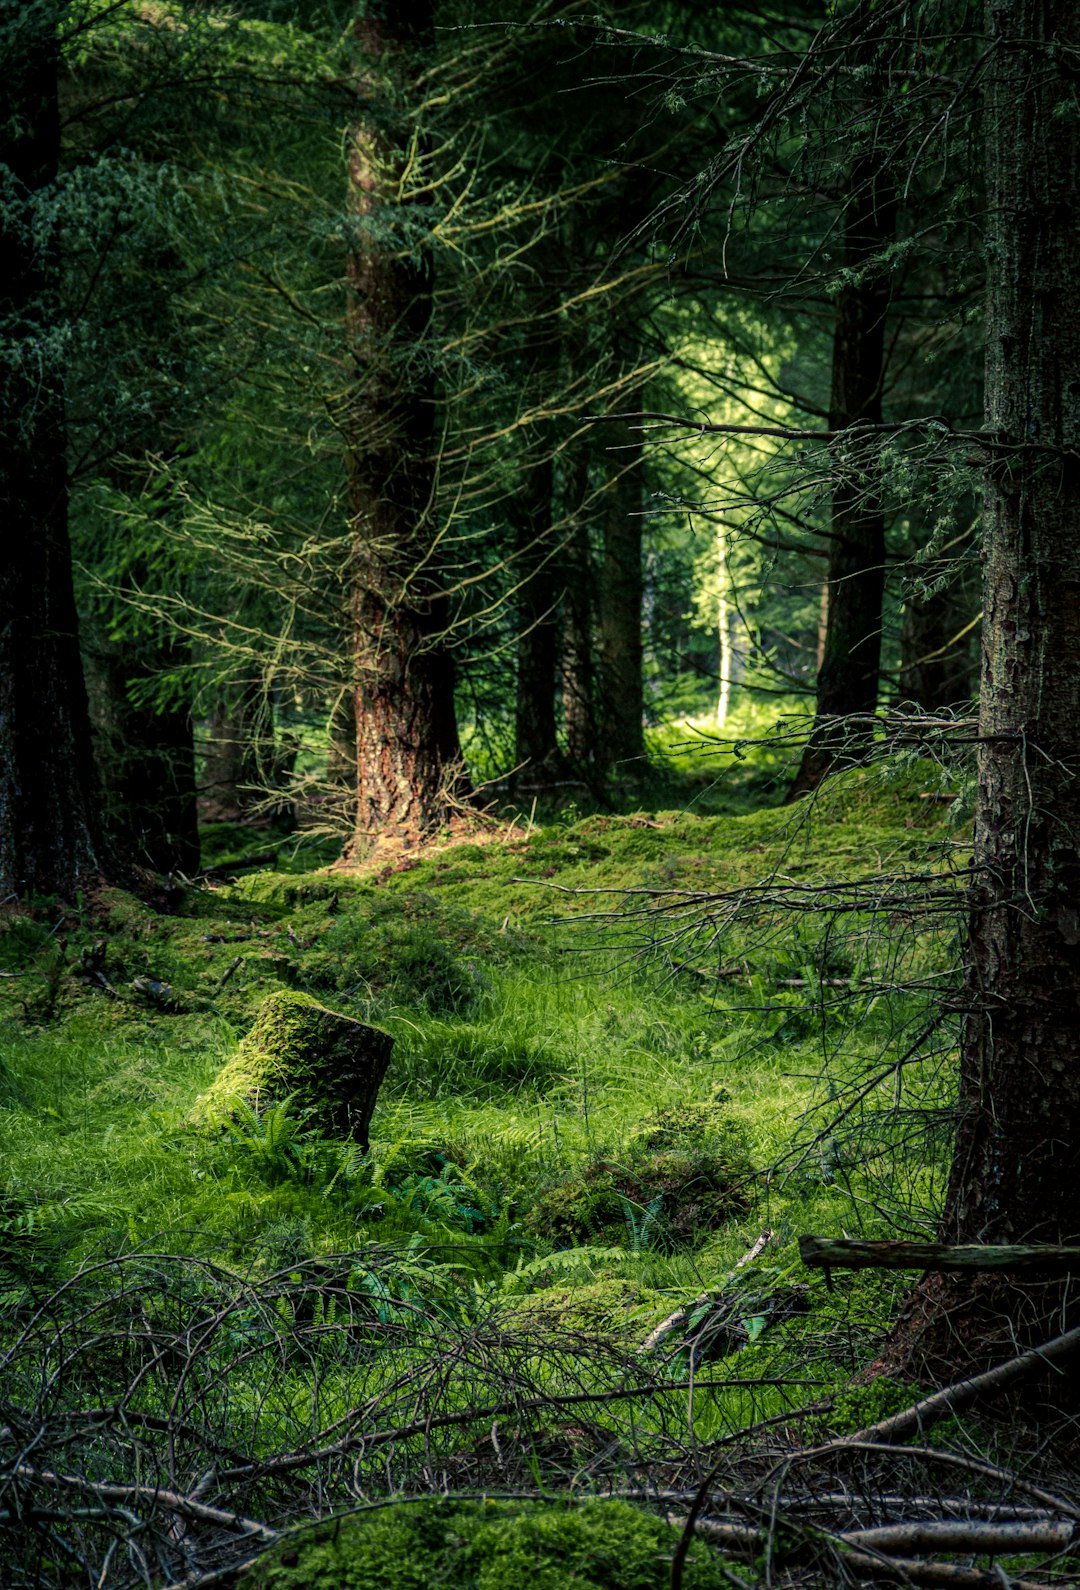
x,y
1016,1166
50,835
146,752
537,749
847,681
408,753
621,587
578,647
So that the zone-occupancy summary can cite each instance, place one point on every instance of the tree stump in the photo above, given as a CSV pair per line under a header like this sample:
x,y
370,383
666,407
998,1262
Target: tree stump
x,y
331,1064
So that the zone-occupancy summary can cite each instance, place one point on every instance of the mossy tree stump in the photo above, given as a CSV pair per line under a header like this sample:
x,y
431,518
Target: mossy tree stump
x,y
332,1066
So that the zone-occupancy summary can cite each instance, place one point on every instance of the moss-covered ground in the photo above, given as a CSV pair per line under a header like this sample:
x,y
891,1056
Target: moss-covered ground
x,y
627,1044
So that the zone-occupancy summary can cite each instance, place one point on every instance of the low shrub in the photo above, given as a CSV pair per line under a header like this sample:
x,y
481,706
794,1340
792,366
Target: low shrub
x,y
686,1172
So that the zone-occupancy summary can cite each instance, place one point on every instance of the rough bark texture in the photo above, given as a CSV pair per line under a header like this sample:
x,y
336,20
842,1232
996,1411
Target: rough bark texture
x,y
847,681
622,693
146,753
537,749
1016,1169
578,648
408,753
50,838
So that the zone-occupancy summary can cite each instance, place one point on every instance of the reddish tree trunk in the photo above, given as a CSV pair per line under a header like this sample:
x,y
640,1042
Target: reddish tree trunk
x,y
408,755
50,837
1016,1167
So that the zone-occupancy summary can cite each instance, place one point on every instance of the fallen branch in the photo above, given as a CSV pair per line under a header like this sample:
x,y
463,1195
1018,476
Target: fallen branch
x,y
748,1541
685,1310
980,1537
171,1501
923,1415
846,1253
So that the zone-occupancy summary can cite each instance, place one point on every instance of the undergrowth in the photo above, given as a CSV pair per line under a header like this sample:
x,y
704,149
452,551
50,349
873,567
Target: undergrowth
x,y
598,1101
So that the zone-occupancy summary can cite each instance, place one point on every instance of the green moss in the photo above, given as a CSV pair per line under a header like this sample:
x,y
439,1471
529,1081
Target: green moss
x,y
300,1050
686,1172
603,1545
614,1306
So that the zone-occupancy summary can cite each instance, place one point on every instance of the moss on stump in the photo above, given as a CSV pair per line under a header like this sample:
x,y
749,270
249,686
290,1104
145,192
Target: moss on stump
x,y
331,1064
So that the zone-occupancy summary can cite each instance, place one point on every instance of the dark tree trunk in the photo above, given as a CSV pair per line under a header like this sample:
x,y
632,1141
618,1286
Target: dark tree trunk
x,y
622,691
146,753
847,681
50,835
578,646
1016,1167
408,753
231,772
537,569
937,651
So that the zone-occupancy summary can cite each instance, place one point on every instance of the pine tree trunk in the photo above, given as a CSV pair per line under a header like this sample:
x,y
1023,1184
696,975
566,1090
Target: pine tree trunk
x,y
578,646
537,569
848,675
1016,1167
621,589
50,835
146,753
937,665
408,754
231,775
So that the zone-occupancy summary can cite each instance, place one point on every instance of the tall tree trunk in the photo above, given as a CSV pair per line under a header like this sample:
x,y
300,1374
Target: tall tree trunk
x,y
537,569
847,681
621,589
1016,1166
408,753
50,835
937,665
578,648
231,776
146,752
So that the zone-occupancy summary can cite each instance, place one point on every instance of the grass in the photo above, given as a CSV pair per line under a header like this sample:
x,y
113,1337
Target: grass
x,y
543,1030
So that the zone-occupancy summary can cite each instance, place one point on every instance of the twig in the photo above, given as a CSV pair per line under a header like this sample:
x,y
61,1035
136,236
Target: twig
x,y
229,970
749,1540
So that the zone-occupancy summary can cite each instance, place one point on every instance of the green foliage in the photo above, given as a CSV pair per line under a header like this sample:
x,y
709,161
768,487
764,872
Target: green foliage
x,y
602,1545
413,951
686,1172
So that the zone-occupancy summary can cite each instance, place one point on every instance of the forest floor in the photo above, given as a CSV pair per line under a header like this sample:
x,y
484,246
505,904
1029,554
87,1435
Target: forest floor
x,y
630,1049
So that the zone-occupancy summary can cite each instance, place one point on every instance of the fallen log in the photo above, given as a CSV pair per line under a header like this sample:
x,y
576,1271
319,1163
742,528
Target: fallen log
x,y
847,1253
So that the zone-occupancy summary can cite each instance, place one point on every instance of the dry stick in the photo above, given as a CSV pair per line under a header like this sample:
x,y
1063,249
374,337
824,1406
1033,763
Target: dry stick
x,y
911,1421
171,1501
953,1460
442,1421
229,970
931,1410
748,1541
979,1537
683,1312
